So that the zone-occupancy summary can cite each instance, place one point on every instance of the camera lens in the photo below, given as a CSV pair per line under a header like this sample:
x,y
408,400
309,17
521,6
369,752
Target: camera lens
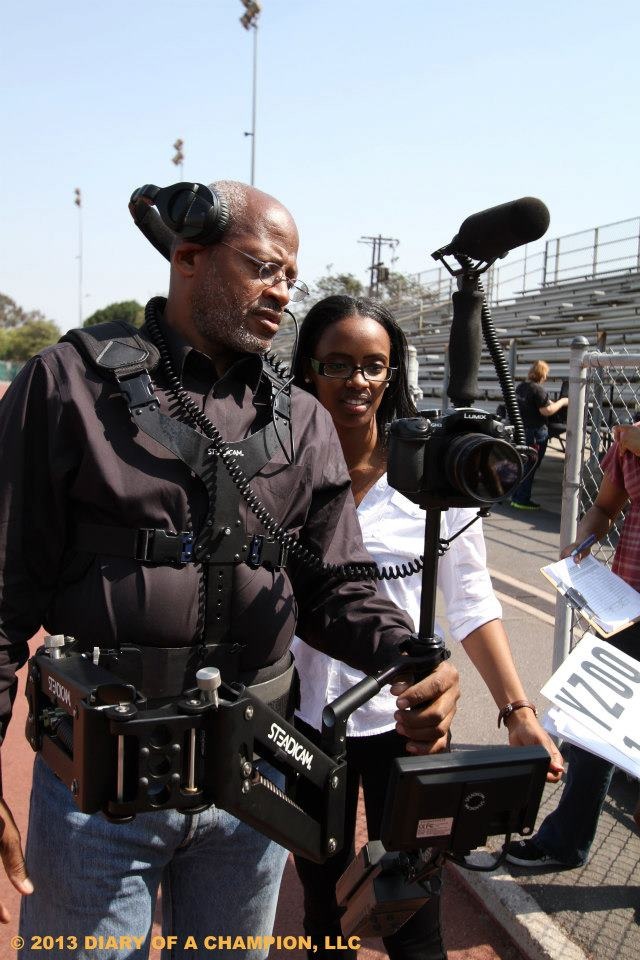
x,y
482,467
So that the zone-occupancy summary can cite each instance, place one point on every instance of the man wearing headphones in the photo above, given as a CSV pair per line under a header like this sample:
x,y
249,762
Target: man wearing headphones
x,y
113,522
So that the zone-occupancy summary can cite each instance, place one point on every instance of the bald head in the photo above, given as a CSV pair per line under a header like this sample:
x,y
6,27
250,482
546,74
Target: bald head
x,y
251,210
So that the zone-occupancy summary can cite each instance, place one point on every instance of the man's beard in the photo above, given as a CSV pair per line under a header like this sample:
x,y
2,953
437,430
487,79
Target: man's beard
x,y
220,318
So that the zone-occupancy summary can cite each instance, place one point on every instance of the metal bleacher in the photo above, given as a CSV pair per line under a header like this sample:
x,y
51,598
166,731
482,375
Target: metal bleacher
x,y
538,325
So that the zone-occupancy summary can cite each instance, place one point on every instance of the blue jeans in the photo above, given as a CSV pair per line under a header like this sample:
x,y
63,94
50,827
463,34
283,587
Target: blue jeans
x,y
537,437
94,878
568,832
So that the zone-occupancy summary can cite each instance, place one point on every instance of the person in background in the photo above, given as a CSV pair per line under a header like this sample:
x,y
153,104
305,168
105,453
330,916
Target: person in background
x,y
535,409
352,356
565,836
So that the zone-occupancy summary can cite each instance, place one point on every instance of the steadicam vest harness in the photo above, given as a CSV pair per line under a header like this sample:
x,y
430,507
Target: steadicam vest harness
x,y
118,352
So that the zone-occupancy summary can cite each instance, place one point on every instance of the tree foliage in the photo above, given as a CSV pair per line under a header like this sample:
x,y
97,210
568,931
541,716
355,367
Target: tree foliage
x,y
338,283
29,338
401,288
398,289
129,310
12,315
23,333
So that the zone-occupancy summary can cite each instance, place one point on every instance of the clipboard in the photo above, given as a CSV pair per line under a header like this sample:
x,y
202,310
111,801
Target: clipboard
x,y
604,599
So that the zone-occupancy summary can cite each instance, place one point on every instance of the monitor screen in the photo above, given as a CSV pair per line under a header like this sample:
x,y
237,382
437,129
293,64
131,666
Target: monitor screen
x,y
454,801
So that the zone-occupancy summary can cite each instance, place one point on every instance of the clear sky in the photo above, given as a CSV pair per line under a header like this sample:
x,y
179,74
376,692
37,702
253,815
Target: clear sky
x,y
399,118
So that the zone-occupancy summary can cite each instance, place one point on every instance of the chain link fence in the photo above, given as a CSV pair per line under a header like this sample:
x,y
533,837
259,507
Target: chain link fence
x,y
8,370
604,390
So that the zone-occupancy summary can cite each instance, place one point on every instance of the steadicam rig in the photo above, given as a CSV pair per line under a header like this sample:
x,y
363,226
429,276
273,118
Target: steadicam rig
x,y
443,806
122,754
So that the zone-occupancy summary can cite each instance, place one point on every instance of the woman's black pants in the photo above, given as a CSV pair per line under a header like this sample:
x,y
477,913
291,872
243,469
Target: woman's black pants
x,y
368,761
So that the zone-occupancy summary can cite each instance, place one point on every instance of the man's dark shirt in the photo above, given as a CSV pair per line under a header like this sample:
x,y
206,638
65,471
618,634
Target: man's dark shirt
x,y
71,454
531,396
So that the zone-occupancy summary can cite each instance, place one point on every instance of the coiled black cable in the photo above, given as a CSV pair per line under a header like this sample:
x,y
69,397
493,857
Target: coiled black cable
x,y
280,535
497,357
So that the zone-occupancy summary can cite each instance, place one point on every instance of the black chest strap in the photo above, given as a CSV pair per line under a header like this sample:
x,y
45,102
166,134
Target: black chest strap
x,y
117,350
115,347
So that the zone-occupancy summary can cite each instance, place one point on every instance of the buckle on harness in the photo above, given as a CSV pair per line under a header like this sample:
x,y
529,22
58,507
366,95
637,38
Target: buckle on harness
x,y
266,553
138,390
160,546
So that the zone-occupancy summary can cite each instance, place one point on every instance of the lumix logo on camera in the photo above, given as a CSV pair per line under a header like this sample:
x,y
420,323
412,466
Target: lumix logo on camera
x,y
463,459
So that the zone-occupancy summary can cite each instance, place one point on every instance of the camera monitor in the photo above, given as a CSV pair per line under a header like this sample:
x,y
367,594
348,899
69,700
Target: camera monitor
x,y
454,801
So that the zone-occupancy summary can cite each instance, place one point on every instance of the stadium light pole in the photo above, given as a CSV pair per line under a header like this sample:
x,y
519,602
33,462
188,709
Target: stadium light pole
x,y
78,202
249,21
178,157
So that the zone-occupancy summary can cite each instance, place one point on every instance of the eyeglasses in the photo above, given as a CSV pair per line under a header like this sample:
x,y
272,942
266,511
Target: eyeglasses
x,y
337,370
271,274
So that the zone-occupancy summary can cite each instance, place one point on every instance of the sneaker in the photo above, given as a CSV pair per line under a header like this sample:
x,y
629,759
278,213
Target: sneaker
x,y
528,853
529,505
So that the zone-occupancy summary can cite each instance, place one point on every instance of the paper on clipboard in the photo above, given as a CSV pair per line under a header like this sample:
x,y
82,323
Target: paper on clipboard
x,y
601,596
560,724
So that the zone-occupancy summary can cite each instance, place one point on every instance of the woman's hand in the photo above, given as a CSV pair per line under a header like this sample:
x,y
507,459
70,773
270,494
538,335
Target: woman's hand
x,y
525,731
571,547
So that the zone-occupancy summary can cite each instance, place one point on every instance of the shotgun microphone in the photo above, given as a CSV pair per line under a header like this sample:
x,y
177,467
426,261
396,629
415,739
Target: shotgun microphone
x,y
492,233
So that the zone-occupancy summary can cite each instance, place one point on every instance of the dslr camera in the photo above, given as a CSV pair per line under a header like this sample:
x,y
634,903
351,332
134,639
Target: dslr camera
x,y
463,459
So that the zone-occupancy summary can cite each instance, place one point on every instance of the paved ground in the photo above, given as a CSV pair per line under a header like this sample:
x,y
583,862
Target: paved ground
x,y
597,907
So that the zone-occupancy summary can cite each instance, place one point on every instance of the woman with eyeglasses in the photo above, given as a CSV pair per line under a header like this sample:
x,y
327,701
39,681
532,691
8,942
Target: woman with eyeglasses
x,y
352,356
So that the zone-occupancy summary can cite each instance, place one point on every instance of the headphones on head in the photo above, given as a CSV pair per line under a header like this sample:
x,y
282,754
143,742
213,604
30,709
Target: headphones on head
x,y
190,211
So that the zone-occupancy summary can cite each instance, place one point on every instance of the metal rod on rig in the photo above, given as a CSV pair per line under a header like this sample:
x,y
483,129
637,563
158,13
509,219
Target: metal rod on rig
x,y
430,574
426,643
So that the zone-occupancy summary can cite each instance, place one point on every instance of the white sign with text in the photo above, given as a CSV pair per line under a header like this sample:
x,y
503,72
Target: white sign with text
x,y
599,687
